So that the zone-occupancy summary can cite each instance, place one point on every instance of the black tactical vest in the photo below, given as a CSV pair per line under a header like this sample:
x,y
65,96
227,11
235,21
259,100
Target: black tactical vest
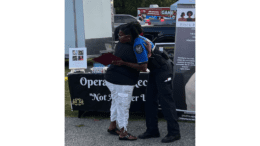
x,y
157,59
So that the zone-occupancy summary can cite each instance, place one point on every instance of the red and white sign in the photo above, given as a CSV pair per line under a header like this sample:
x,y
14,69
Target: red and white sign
x,y
163,12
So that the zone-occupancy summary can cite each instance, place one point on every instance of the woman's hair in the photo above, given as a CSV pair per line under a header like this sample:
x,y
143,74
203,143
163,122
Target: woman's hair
x,y
133,29
182,14
190,13
117,30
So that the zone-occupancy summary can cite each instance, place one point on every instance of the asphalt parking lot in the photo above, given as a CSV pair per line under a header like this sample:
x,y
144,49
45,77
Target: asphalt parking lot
x,y
91,132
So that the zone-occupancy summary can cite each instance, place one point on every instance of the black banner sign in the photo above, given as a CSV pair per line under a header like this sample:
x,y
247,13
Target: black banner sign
x,y
90,93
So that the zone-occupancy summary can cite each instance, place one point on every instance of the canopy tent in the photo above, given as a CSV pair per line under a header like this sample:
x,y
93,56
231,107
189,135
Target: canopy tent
x,y
174,6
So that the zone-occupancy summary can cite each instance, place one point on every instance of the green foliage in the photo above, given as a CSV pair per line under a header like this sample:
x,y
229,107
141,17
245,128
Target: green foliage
x,y
130,6
68,112
90,61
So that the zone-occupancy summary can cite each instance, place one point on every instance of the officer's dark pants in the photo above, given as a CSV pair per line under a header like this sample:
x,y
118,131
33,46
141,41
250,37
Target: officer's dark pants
x,y
157,88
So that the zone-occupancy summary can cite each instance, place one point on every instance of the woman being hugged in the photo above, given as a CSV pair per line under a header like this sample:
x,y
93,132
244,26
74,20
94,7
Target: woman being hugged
x,y
121,77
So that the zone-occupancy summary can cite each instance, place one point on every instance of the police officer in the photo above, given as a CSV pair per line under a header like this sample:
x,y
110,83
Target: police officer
x,y
160,86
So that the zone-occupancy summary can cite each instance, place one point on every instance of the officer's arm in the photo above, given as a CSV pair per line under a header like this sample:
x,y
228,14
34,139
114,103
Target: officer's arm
x,y
148,47
139,67
141,56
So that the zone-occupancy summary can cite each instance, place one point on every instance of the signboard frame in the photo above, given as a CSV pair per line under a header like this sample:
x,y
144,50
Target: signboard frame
x,y
77,58
184,53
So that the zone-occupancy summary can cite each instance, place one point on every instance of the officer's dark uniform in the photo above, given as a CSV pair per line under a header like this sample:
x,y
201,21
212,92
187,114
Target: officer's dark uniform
x,y
160,86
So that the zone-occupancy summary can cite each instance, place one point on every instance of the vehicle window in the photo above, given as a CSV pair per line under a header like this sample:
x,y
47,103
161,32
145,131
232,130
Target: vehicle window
x,y
128,19
118,19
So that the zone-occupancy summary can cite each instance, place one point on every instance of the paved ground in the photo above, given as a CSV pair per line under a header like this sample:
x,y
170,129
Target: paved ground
x,y
88,132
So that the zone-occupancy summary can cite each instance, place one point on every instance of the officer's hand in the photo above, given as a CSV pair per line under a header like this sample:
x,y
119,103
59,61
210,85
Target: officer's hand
x,y
148,48
118,62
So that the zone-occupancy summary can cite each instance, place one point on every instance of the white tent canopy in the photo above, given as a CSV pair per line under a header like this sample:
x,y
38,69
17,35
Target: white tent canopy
x,y
174,6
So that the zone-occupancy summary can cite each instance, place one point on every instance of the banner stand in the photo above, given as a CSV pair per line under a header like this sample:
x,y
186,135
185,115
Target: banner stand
x,y
184,53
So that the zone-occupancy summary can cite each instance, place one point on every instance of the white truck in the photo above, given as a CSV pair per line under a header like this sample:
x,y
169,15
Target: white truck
x,y
88,23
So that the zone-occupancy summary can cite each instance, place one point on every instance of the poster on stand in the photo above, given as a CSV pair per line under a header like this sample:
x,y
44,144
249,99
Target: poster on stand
x,y
185,17
184,56
184,53
77,58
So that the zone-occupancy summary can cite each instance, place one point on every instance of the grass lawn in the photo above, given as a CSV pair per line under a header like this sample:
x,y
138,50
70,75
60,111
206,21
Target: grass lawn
x,y
68,112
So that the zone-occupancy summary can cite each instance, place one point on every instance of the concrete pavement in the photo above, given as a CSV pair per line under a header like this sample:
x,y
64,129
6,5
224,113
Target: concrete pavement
x,y
88,132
